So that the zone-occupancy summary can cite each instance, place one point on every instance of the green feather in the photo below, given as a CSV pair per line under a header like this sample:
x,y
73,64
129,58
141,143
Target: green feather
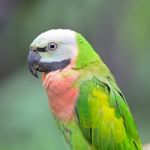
x,y
86,54
103,111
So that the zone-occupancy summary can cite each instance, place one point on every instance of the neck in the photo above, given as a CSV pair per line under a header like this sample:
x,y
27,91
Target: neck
x,y
62,92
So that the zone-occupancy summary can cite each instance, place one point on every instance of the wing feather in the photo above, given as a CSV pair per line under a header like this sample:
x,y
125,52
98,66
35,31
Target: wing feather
x,y
104,116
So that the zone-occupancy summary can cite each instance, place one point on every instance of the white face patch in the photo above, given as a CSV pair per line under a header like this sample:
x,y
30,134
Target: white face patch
x,y
66,45
61,53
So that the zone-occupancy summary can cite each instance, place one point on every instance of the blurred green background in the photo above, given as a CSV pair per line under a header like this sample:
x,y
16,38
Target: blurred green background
x,y
119,30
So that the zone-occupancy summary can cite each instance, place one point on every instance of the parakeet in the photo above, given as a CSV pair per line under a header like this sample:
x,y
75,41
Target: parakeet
x,y
84,98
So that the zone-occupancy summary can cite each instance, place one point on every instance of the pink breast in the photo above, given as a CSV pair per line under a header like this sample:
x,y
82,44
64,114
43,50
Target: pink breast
x,y
62,93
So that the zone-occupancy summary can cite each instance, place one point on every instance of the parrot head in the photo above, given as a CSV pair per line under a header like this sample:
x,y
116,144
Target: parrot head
x,y
58,48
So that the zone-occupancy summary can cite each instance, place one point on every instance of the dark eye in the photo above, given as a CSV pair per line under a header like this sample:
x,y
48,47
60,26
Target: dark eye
x,y
52,46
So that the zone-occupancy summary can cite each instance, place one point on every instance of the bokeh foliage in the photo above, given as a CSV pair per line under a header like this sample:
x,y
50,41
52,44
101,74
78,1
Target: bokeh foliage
x,y
119,30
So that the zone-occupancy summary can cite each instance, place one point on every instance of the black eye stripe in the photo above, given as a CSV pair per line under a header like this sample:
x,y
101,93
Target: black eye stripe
x,y
41,49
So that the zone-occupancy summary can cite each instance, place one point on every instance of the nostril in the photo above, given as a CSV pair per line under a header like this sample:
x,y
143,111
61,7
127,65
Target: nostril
x,y
34,50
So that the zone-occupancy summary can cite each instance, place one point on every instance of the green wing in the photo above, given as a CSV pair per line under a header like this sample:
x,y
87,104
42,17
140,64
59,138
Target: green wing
x,y
104,117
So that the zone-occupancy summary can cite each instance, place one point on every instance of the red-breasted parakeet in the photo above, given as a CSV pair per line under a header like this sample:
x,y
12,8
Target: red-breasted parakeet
x,y
85,100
